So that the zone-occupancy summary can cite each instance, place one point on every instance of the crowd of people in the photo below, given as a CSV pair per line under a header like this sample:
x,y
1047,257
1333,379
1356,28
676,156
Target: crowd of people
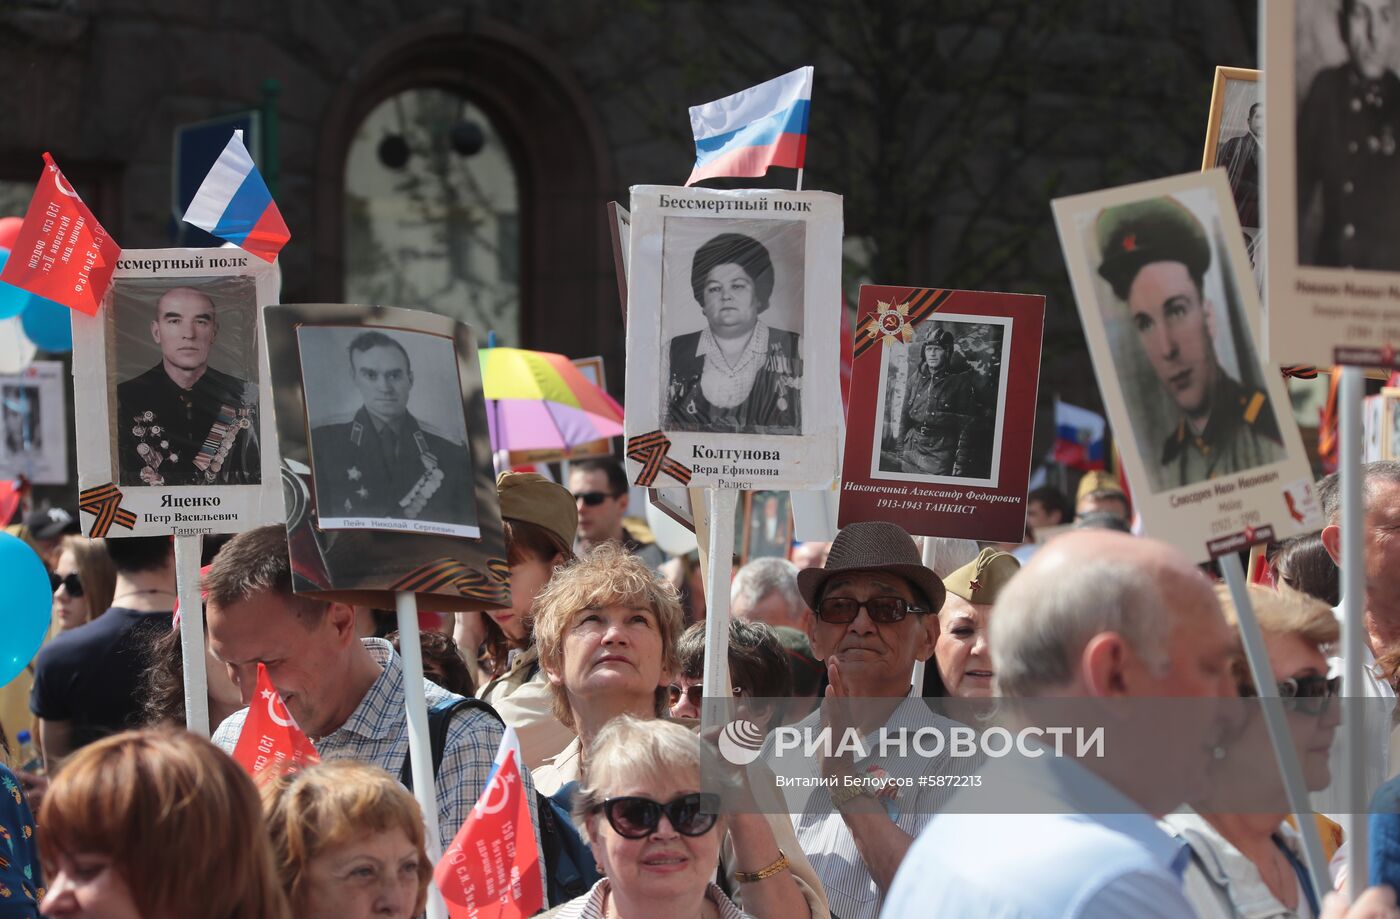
x,y
114,810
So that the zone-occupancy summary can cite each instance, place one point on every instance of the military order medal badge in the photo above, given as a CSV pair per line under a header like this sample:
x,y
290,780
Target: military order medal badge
x,y
386,457
947,382
1207,441
732,304
181,442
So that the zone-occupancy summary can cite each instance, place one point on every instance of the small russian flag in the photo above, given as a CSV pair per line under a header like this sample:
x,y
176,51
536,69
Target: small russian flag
x,y
746,133
234,204
1079,437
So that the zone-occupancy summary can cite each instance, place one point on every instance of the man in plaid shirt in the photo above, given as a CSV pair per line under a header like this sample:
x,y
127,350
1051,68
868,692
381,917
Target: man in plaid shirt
x,y
345,692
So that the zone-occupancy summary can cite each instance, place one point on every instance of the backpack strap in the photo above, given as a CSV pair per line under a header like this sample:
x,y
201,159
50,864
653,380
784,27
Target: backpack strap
x,y
439,718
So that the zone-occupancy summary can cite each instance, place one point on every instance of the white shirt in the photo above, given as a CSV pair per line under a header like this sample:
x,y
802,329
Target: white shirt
x,y
1044,865
1332,800
822,831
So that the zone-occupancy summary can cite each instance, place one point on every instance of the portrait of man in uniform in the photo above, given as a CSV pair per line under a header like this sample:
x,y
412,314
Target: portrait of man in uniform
x,y
380,465
1155,255
1240,158
1348,141
183,422
939,409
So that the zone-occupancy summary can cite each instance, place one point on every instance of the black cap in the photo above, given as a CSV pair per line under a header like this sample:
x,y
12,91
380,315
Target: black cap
x,y
1155,230
50,523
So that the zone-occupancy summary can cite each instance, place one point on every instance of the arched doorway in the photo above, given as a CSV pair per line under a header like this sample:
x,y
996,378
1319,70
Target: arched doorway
x,y
545,127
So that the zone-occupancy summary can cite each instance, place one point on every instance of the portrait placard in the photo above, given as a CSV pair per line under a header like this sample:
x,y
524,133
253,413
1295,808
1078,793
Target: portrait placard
x,y
1234,142
386,463
766,525
173,434
1332,183
34,411
733,308
943,392
1171,316
1390,421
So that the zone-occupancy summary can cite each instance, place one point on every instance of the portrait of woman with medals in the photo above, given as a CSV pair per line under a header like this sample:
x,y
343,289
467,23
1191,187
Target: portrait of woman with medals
x,y
738,375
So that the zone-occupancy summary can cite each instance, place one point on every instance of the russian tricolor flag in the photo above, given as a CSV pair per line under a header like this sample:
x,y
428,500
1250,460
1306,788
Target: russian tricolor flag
x,y
759,127
234,204
1079,437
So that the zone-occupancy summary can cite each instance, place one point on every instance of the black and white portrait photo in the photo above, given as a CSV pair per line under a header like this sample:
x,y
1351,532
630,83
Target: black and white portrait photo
x,y
388,431
1348,134
732,314
1239,145
184,353
1182,349
20,405
940,405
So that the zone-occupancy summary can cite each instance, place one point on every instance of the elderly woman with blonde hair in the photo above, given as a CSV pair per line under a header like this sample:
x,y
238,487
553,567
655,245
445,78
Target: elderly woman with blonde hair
x,y
1246,860
349,843
607,630
655,833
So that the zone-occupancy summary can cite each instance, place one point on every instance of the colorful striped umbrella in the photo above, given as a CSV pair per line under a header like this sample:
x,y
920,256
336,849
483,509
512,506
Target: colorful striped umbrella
x,y
540,401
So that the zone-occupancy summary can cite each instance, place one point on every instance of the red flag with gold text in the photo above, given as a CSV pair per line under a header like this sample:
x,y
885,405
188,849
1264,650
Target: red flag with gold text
x,y
62,253
270,743
492,868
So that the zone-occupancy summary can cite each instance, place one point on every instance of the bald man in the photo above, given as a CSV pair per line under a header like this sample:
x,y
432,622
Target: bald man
x,y
1110,618
182,422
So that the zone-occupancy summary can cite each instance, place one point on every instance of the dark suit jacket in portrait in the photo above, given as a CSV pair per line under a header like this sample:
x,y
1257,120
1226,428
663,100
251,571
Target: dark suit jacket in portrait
x,y
774,401
204,435
1240,157
410,474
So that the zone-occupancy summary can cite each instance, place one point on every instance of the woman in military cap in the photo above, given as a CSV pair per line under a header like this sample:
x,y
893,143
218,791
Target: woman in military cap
x,y
738,375
960,652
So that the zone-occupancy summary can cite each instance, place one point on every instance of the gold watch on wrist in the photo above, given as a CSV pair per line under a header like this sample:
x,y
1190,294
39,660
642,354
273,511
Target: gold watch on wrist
x,y
845,795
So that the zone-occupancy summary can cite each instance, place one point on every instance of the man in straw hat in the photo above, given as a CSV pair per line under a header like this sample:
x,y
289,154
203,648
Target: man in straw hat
x,y
1155,255
874,601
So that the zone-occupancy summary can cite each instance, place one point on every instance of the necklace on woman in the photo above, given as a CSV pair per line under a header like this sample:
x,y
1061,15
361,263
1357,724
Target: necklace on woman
x,y
146,590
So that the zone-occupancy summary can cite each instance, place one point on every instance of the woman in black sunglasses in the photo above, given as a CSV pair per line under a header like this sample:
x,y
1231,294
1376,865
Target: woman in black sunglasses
x,y
83,580
1243,815
653,829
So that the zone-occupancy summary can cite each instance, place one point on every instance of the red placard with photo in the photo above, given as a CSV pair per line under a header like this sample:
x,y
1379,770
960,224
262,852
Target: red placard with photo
x,y
942,413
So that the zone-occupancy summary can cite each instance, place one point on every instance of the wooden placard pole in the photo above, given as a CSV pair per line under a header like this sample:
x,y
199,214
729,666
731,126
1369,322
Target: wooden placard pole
x,y
1349,396
719,568
187,557
1276,722
419,745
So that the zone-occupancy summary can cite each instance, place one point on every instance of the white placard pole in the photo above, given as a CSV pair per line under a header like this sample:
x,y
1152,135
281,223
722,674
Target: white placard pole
x,y
929,551
187,556
1349,395
720,567
419,744
1276,721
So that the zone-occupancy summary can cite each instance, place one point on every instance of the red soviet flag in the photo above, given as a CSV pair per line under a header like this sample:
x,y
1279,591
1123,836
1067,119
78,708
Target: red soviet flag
x,y
62,253
270,743
492,868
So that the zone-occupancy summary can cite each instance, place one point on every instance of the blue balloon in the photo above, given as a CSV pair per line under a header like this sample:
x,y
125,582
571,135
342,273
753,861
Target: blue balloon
x,y
13,300
48,325
28,601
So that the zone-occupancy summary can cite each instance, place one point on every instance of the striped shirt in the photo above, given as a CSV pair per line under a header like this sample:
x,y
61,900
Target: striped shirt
x,y
822,831
590,905
377,733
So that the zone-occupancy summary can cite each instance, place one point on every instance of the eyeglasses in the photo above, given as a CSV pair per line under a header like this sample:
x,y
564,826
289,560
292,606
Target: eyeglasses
x,y
693,693
69,582
593,498
1315,687
841,610
636,818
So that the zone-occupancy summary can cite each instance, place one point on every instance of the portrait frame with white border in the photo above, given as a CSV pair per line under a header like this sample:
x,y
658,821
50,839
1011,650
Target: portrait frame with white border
x,y
783,432
1204,516
238,486
1333,277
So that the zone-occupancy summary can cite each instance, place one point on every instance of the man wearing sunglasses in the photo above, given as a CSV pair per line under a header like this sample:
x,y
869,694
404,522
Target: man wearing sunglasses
x,y
600,489
874,602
